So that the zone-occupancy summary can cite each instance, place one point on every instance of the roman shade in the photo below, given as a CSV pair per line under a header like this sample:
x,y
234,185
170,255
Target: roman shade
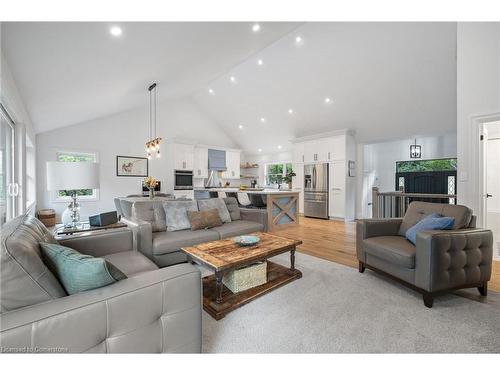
x,y
217,160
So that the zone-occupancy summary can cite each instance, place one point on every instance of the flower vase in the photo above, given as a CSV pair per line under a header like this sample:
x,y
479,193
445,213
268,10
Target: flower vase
x,y
151,193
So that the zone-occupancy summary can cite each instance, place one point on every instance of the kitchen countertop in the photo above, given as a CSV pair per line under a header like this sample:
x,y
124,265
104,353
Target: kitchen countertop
x,y
237,190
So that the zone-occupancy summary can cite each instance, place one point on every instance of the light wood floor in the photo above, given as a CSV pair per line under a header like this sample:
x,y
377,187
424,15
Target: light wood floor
x,y
336,241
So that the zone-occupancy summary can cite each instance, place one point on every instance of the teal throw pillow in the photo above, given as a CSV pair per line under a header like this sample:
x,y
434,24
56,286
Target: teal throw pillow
x,y
78,272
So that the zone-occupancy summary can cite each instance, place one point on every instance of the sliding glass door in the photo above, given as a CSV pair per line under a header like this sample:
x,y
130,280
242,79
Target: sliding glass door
x,y
8,188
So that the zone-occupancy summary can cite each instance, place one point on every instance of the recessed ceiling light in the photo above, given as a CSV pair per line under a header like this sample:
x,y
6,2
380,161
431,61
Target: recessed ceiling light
x,y
260,62
260,150
232,79
255,27
262,119
279,147
290,111
299,40
240,126
115,31
328,100
211,91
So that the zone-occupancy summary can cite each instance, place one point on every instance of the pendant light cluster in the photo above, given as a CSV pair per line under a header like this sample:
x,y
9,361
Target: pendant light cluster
x,y
153,145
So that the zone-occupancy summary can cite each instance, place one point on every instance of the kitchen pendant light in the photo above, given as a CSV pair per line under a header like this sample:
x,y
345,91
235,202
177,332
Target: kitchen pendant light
x,y
153,145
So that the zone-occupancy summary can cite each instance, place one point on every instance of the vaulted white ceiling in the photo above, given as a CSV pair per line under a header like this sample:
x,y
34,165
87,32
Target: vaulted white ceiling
x,y
70,72
385,80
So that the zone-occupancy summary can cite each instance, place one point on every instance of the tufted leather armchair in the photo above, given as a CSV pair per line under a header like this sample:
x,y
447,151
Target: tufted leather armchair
x,y
152,311
441,260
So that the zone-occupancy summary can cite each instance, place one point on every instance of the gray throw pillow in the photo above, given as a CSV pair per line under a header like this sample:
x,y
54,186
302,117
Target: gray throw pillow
x,y
152,212
176,214
218,203
78,272
233,208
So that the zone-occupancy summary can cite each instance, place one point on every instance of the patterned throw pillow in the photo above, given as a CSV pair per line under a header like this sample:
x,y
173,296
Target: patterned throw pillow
x,y
78,272
204,219
176,214
218,203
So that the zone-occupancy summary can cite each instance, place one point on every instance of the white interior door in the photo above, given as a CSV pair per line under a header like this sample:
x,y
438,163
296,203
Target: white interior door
x,y
491,182
9,190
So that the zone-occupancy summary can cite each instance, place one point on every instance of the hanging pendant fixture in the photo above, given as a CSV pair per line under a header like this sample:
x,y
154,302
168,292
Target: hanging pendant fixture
x,y
153,145
415,151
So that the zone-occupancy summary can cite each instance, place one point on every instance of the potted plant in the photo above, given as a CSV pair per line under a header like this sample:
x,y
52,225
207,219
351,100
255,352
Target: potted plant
x,y
288,178
151,183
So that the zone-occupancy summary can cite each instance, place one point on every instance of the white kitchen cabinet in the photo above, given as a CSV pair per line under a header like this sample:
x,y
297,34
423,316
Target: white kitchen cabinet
x,y
183,156
298,153
337,148
200,162
298,184
233,160
337,186
310,154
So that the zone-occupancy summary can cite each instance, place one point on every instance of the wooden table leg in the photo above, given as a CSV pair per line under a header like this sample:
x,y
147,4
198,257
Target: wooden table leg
x,y
292,260
218,287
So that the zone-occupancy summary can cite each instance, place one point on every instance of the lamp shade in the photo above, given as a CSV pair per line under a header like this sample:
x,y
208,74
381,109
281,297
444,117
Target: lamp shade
x,y
62,175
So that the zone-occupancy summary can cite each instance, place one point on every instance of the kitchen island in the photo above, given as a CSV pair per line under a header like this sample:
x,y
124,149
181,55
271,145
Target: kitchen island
x,y
282,205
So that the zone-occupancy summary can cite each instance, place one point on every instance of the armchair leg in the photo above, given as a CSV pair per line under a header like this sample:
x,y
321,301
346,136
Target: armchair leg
x,y
361,267
428,299
483,289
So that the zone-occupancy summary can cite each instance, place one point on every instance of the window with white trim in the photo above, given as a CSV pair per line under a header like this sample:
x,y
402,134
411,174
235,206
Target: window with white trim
x,y
83,194
276,172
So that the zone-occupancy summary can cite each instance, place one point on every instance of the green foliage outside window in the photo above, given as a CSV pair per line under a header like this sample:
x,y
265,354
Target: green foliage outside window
x,y
76,158
434,165
276,173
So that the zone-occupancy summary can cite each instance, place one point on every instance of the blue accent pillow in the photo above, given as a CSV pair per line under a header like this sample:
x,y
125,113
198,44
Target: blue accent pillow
x,y
431,222
78,272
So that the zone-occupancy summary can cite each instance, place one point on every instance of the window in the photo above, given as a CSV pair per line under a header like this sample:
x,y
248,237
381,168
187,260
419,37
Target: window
x,y
276,172
83,194
433,165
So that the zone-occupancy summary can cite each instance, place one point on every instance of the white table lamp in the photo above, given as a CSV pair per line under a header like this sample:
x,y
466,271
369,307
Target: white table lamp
x,y
63,175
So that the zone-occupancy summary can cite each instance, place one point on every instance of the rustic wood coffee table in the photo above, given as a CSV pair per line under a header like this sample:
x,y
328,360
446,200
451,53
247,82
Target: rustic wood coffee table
x,y
224,255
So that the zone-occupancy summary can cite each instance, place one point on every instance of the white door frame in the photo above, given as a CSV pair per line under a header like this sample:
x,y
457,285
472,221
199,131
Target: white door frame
x,y
477,156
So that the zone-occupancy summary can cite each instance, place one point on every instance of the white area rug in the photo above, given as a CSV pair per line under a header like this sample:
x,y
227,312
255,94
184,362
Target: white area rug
x,y
335,309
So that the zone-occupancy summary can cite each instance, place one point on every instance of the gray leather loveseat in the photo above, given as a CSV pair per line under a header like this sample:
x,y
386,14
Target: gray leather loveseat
x,y
441,260
148,221
153,310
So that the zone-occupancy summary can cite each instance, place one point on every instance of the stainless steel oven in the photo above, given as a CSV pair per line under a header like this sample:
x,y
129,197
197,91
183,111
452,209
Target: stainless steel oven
x,y
183,180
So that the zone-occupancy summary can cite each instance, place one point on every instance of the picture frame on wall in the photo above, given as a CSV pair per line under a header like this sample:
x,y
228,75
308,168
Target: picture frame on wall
x,y
131,166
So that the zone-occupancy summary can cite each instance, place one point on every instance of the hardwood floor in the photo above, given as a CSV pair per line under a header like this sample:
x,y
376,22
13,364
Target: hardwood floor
x,y
336,241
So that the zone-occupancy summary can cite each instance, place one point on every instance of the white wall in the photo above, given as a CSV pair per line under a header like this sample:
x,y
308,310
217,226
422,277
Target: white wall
x,y
263,159
124,134
379,162
478,94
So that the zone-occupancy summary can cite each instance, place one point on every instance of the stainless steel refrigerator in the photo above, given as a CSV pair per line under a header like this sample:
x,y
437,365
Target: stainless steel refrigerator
x,y
316,190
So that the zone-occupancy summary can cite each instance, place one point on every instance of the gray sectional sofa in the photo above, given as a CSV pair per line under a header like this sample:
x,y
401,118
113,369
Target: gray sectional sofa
x,y
148,220
153,310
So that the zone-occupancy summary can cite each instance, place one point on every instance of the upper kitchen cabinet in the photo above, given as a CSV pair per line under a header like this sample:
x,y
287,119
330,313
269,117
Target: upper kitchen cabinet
x,y
298,153
183,156
233,160
322,148
200,162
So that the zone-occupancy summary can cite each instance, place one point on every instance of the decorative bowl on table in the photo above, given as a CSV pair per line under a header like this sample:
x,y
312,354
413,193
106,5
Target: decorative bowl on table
x,y
246,240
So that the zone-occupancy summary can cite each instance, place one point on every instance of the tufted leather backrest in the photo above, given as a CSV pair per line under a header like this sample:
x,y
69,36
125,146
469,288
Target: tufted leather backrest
x,y
418,210
152,212
24,278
